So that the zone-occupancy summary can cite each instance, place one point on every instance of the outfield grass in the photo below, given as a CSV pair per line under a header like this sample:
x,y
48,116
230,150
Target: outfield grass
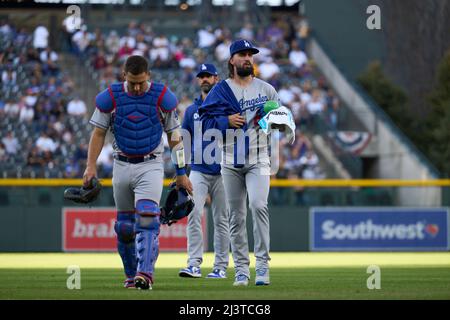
x,y
293,276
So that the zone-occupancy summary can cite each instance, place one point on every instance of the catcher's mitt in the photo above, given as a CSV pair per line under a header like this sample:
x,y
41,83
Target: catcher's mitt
x,y
84,194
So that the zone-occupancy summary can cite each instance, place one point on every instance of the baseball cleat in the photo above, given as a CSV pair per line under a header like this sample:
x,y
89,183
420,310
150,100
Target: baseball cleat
x,y
262,277
241,280
190,272
143,281
129,283
217,274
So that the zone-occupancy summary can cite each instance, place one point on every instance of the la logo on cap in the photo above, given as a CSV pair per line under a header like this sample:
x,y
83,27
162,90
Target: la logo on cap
x,y
246,44
203,67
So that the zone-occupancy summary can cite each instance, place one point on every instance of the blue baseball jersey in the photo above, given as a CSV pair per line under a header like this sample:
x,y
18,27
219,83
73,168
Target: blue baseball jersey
x,y
191,123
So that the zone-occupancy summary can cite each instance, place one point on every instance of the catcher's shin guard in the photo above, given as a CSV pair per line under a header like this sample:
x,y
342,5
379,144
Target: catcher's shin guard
x,y
147,232
126,245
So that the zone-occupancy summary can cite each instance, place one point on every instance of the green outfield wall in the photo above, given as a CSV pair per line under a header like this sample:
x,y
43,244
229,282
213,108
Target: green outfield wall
x,y
31,217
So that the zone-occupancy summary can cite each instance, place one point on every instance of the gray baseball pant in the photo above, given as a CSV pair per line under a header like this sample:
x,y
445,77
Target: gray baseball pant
x,y
212,184
133,182
254,181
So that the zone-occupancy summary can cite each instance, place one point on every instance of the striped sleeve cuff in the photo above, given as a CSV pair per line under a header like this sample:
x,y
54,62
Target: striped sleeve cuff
x,y
96,124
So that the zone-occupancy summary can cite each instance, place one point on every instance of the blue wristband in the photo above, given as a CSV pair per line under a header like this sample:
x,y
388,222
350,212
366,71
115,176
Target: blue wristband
x,y
180,171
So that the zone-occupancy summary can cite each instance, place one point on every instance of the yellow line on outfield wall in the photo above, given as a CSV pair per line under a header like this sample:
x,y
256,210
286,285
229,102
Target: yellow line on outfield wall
x,y
360,183
274,183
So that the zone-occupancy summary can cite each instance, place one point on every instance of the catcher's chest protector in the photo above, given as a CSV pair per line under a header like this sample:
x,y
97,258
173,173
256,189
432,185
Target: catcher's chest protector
x,y
136,122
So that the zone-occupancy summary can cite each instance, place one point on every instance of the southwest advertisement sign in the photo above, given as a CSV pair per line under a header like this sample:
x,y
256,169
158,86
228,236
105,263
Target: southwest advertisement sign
x,y
93,230
379,229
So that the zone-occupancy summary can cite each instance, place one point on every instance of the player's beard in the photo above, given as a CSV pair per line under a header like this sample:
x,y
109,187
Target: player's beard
x,y
245,70
206,87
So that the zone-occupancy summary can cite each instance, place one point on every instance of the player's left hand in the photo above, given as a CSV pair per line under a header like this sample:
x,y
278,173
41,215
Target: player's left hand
x,y
184,182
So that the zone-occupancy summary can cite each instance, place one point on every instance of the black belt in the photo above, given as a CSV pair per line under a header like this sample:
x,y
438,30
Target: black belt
x,y
134,160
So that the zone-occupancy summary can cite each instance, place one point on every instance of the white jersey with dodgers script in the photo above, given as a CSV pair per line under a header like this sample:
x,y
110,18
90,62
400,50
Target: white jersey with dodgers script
x,y
251,100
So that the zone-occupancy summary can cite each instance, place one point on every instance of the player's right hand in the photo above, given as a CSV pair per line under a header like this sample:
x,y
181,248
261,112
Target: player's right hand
x,y
184,182
89,173
236,120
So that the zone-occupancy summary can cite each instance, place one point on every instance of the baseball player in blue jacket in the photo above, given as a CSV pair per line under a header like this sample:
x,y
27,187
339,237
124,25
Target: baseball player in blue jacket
x,y
206,179
137,111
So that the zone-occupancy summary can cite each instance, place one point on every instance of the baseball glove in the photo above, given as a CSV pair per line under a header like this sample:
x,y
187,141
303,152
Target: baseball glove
x,y
84,194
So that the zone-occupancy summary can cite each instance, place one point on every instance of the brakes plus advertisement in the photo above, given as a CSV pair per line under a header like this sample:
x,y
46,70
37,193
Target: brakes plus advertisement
x,y
379,229
93,230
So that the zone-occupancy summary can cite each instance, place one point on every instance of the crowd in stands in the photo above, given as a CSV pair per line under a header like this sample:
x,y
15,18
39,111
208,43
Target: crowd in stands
x,y
42,107
282,61
43,123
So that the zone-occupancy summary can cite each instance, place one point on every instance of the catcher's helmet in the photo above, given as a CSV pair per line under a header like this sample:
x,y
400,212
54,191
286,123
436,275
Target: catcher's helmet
x,y
179,204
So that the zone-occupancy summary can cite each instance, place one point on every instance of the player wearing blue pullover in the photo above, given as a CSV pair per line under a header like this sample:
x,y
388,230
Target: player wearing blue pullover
x,y
206,179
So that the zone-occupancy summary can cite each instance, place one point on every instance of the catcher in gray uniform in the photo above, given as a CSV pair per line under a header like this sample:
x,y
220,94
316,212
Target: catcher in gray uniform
x,y
238,103
137,111
206,179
